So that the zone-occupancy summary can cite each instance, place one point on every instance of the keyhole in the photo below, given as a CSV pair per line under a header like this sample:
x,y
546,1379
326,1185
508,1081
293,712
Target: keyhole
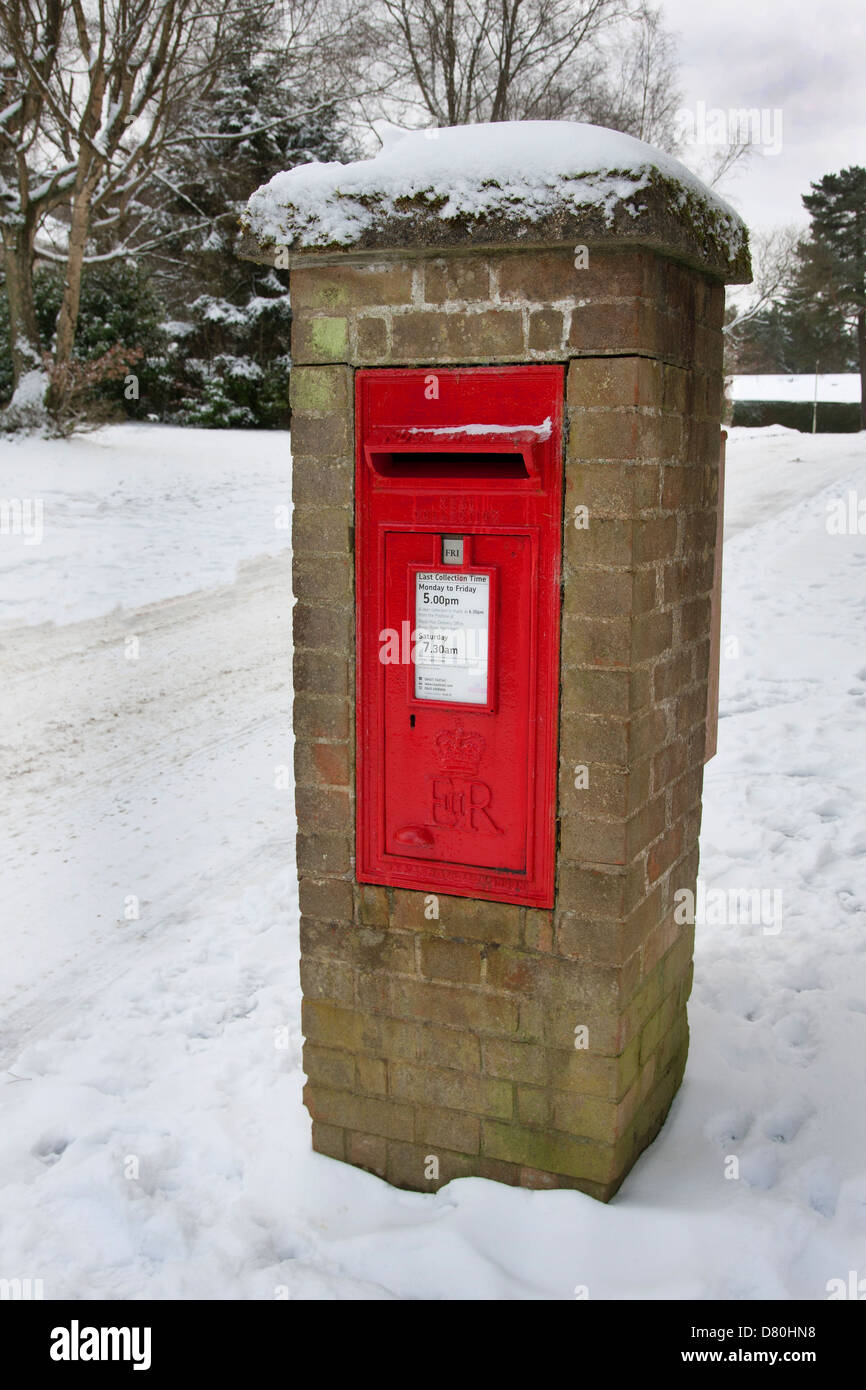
x,y
411,721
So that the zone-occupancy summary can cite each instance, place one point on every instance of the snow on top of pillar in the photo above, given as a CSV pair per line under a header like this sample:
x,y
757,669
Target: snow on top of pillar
x,y
512,181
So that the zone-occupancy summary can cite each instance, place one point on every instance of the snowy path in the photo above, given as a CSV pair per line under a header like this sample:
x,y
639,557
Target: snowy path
x,y
153,1142
135,513
774,469
138,772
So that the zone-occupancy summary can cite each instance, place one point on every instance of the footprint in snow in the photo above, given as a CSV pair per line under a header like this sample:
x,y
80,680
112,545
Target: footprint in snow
x,y
731,1127
794,1040
760,1167
819,1183
852,1203
783,1122
50,1148
802,975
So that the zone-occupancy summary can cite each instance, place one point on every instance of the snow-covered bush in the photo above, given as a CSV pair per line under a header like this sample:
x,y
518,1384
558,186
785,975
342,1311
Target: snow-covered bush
x,y
118,325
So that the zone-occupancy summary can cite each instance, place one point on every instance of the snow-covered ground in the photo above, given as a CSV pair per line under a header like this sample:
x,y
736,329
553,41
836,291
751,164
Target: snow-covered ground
x,y
135,513
153,1141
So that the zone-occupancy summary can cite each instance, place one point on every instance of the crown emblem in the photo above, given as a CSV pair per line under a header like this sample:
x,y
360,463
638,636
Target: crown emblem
x,y
459,751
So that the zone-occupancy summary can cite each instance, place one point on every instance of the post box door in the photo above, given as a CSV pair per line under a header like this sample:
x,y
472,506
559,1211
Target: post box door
x,y
457,771
458,545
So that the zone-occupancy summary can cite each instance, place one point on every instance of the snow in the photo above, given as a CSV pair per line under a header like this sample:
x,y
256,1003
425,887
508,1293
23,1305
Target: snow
x,y
27,407
227,364
136,513
526,168
177,328
30,390
832,386
220,311
541,431
154,1142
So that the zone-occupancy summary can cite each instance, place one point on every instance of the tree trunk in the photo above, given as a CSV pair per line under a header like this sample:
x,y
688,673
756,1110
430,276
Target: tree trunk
x,y
861,346
67,319
25,346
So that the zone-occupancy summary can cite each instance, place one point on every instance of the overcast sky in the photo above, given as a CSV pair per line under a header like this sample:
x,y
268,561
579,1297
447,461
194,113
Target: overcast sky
x,y
807,61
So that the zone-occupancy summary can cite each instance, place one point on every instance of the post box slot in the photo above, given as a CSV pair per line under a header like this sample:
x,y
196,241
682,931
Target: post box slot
x,y
477,466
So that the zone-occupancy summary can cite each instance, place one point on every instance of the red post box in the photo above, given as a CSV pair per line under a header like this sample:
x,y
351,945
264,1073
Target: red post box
x,y
458,548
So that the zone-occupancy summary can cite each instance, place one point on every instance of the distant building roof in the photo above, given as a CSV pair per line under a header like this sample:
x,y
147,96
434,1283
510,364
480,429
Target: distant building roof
x,y
841,387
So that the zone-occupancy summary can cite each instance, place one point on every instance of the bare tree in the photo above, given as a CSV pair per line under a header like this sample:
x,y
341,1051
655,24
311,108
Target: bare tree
x,y
91,95
454,62
635,86
727,157
774,256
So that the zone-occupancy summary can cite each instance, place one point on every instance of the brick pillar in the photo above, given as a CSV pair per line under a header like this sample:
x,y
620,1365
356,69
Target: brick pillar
x,y
540,1048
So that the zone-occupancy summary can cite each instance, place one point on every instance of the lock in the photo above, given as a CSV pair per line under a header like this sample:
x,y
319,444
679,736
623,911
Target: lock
x,y
458,553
